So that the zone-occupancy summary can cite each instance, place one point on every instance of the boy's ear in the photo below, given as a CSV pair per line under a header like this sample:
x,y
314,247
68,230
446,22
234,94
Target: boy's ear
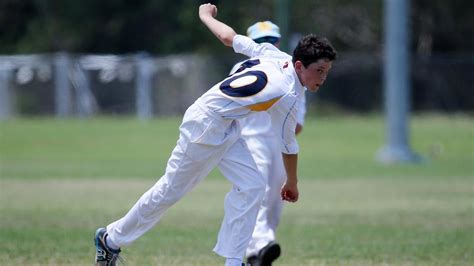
x,y
298,65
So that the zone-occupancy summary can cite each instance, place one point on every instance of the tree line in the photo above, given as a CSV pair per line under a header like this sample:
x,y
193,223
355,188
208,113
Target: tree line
x,y
166,27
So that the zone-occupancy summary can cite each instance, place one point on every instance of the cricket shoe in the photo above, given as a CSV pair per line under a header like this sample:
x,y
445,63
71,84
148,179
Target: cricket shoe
x,y
104,255
266,255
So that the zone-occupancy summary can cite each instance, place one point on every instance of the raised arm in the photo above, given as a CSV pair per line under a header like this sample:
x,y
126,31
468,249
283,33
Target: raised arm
x,y
207,14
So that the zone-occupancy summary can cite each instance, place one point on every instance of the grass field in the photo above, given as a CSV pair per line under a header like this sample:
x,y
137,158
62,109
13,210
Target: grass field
x,y
61,179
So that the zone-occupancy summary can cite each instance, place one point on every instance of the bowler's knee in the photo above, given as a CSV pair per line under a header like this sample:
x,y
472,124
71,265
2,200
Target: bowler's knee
x,y
256,191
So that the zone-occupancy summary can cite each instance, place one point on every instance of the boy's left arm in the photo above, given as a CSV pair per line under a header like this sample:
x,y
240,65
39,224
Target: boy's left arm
x,y
284,122
289,191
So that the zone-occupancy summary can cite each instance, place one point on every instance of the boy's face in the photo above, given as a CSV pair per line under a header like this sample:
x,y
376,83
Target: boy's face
x,y
313,76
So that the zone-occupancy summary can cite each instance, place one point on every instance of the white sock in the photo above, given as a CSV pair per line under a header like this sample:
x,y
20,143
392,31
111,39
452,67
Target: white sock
x,y
233,262
111,244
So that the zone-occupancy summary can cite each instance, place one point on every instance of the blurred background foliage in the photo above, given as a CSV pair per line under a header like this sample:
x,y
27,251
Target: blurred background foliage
x,y
441,46
164,27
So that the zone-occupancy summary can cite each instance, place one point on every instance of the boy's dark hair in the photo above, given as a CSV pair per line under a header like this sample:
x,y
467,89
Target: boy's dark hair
x,y
311,48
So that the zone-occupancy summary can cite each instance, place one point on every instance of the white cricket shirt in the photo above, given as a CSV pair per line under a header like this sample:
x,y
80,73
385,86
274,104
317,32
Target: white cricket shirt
x,y
267,82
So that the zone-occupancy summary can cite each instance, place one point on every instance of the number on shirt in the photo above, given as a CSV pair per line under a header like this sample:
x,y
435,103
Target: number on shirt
x,y
247,64
246,84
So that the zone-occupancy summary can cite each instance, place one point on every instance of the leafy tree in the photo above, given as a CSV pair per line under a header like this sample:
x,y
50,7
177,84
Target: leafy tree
x,y
162,27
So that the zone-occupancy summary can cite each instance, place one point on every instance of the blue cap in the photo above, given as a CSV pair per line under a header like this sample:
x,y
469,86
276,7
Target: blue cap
x,y
263,29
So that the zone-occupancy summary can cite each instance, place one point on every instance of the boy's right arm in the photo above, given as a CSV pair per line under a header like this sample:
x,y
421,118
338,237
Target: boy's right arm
x,y
245,45
223,32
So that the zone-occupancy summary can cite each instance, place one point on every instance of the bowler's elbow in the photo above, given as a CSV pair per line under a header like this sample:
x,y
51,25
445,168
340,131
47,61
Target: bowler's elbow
x,y
227,38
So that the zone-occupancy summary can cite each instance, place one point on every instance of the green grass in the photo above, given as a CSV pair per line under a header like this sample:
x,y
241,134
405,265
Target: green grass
x,y
60,179
124,148
86,148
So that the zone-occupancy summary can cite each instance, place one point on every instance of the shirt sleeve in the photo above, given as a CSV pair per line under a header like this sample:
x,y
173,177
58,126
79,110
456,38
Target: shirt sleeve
x,y
234,68
301,110
283,116
246,46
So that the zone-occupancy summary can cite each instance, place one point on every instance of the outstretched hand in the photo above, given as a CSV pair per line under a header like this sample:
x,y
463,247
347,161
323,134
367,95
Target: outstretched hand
x,y
289,192
207,10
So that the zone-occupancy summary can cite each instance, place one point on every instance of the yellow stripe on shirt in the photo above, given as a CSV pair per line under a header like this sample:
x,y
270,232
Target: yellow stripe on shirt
x,y
258,107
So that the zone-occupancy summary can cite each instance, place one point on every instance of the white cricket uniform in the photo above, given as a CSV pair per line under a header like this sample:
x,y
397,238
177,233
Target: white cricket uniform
x,y
258,133
210,136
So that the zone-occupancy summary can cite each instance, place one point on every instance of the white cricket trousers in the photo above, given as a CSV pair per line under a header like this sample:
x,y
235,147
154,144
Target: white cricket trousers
x,y
206,140
267,155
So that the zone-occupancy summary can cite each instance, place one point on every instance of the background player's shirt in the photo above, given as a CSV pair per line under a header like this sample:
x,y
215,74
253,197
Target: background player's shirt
x,y
265,82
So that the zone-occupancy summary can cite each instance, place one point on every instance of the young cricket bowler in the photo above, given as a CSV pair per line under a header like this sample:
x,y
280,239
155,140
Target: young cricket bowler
x,y
209,137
